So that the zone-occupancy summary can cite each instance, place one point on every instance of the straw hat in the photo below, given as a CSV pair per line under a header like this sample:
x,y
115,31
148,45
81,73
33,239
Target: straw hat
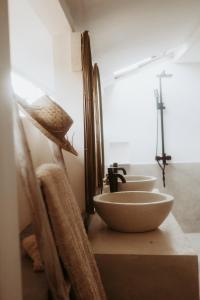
x,y
51,119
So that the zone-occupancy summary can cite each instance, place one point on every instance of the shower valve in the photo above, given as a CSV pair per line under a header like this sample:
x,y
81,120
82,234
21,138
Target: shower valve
x,y
164,158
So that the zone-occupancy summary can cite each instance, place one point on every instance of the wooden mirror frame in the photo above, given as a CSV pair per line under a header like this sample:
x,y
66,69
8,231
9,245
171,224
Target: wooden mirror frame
x,y
89,129
93,125
99,138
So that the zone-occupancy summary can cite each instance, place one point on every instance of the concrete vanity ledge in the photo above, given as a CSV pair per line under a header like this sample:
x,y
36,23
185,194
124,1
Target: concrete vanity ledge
x,y
157,265
167,240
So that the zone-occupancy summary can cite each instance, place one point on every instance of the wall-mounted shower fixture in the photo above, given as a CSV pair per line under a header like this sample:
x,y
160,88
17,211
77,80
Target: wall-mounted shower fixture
x,y
163,158
163,74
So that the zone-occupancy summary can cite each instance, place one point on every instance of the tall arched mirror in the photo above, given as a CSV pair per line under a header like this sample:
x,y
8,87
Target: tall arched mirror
x,y
99,137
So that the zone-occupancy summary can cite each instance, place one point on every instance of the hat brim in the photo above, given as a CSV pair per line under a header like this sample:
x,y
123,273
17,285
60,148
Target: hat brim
x,y
62,142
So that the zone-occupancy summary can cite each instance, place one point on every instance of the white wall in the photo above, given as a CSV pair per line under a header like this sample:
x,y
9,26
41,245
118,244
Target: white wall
x,y
68,93
68,86
41,50
130,114
10,275
31,45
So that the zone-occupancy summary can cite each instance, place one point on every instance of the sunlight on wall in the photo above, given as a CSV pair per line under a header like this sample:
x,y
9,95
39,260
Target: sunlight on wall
x,y
25,89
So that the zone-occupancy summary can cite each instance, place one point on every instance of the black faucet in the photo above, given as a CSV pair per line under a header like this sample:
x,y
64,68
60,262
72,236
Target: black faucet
x,y
116,168
113,180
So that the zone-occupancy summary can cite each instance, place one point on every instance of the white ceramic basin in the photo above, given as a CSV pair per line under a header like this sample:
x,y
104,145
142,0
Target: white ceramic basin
x,y
135,183
134,211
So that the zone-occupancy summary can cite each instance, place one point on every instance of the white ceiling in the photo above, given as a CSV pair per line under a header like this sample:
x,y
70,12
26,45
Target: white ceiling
x,y
126,31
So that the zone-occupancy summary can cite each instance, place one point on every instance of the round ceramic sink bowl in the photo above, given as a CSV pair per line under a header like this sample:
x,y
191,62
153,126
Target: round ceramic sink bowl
x,y
135,211
134,183
137,183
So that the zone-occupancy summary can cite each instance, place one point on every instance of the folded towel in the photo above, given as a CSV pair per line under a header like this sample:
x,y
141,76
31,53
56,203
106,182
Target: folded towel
x,y
69,233
30,246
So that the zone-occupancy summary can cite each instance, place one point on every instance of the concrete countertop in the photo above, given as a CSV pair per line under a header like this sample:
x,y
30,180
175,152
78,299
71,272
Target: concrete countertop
x,y
169,239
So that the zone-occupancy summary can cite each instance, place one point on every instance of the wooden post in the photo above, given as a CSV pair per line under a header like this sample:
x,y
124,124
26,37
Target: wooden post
x,y
53,270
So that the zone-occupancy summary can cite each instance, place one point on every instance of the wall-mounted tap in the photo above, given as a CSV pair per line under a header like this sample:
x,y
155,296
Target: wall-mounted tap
x,y
113,180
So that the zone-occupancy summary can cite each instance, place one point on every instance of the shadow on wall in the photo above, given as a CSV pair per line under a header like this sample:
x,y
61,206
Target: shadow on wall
x,y
41,153
183,182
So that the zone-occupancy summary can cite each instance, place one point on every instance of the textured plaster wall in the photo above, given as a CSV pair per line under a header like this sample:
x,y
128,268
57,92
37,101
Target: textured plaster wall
x,y
31,45
42,53
130,114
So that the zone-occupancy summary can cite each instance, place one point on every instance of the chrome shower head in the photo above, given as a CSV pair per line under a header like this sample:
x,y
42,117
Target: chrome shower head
x,y
163,74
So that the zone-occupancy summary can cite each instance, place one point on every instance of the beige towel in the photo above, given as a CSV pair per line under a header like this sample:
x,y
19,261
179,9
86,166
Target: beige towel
x,y
30,246
69,232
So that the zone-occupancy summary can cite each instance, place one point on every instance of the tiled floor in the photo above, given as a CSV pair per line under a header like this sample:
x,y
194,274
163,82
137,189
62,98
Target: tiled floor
x,y
194,239
183,182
